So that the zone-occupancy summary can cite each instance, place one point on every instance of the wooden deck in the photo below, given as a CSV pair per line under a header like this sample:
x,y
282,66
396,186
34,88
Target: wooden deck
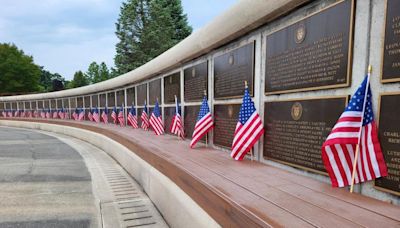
x,y
247,194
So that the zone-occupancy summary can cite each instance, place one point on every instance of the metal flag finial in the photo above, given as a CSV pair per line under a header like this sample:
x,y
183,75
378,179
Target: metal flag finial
x,y
370,69
245,85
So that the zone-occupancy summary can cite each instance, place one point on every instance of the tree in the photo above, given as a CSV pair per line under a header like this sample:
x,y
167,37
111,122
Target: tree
x,y
79,80
147,28
18,72
97,73
51,82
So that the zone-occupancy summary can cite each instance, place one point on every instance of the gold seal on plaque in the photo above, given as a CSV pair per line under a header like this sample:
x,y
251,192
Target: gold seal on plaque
x,y
231,60
300,33
230,111
297,111
193,72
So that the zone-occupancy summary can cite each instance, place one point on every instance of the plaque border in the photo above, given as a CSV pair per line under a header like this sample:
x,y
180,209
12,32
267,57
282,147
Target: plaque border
x,y
253,70
349,59
377,123
383,35
265,158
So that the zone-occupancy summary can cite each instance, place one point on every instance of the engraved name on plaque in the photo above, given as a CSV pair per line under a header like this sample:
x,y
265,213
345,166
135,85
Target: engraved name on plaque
x,y
391,46
231,70
226,117
172,88
389,137
195,79
313,53
296,129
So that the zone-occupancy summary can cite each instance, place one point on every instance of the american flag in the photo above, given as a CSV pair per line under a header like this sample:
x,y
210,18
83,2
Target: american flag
x,y
176,125
96,116
43,114
114,115
75,114
204,123
61,113
4,113
55,114
338,151
48,114
132,118
16,114
36,113
90,115
145,118
81,115
104,115
121,117
10,113
156,121
248,130
66,114
23,113
29,114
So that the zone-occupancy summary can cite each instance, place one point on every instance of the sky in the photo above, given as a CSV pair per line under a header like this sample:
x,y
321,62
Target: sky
x,y
65,36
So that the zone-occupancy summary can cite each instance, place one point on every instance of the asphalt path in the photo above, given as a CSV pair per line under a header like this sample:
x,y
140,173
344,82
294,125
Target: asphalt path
x,y
43,183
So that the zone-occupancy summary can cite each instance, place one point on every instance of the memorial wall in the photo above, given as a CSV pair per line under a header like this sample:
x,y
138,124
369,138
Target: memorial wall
x,y
301,68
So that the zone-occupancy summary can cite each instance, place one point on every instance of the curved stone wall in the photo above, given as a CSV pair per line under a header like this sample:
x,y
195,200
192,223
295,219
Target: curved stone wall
x,y
246,28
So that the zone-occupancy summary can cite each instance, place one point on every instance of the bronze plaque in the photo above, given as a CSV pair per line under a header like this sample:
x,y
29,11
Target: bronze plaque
x,y
95,102
87,101
231,70
191,113
46,104
295,130
389,136
59,103
33,105
391,45
195,79
27,105
2,106
8,106
53,104
130,96
102,100
226,118
79,102
141,94
172,88
169,112
121,97
311,54
20,105
154,91
40,105
111,99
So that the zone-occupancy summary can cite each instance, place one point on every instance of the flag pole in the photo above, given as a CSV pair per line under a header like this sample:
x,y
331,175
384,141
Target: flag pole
x,y
251,150
176,106
360,130
205,94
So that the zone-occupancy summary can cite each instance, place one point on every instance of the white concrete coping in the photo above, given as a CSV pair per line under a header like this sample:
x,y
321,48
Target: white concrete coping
x,y
177,208
241,18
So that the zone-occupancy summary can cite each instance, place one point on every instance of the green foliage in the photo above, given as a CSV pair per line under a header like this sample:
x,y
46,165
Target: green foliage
x,y
147,28
97,73
80,79
50,82
18,73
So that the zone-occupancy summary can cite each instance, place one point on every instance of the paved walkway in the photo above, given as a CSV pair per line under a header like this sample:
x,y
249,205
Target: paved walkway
x,y
58,181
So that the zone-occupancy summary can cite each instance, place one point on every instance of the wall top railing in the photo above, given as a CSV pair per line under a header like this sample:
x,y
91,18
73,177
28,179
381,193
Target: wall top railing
x,y
243,17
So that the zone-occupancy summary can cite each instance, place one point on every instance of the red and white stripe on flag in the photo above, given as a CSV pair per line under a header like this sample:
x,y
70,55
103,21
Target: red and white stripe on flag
x,y
145,121
121,118
176,126
157,124
203,124
248,130
132,120
338,151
